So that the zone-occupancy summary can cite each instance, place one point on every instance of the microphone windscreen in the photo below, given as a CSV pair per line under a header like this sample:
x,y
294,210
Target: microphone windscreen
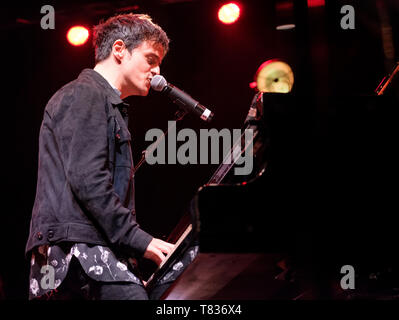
x,y
158,83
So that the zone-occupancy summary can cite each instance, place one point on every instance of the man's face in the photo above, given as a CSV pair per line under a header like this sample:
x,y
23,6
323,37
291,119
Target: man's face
x,y
140,66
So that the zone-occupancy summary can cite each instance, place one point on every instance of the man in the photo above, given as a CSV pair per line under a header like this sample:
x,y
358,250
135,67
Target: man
x,y
83,230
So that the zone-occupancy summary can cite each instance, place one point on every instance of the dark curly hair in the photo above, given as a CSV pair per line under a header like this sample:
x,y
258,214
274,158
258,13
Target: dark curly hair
x,y
131,28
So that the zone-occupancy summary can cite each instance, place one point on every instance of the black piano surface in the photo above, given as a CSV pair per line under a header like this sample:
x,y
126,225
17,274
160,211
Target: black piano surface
x,y
322,195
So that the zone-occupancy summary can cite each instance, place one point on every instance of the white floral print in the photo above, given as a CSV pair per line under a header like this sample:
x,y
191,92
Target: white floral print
x,y
34,286
75,251
104,255
193,253
96,269
57,283
121,266
68,258
168,276
178,266
107,268
187,257
63,268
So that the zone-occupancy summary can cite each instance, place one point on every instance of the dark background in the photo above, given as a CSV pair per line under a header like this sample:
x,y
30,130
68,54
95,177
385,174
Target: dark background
x,y
215,64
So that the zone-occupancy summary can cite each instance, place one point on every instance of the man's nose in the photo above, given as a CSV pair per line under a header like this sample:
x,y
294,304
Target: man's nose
x,y
156,70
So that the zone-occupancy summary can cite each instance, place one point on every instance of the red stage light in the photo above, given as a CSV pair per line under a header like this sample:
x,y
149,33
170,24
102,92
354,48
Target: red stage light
x,y
77,35
316,3
229,13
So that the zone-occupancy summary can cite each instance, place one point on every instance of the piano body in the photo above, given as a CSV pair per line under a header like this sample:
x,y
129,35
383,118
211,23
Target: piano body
x,y
318,198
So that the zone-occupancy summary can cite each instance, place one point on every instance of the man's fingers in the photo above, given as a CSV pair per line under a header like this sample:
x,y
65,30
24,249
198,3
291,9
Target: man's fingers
x,y
156,249
157,256
167,248
164,246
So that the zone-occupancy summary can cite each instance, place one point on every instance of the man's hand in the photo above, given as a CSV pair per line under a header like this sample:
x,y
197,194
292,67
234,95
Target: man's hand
x,y
156,250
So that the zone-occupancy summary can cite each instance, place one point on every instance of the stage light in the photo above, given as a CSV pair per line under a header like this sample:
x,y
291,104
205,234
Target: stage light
x,y
316,3
273,76
229,13
77,35
285,18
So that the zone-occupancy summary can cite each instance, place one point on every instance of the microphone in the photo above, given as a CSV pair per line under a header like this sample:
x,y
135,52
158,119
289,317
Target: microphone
x,y
182,99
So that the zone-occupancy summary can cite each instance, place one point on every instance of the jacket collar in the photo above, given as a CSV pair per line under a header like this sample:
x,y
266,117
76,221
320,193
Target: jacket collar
x,y
113,97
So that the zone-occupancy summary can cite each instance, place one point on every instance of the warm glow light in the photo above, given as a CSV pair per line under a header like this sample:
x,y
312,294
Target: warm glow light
x,y
316,3
229,13
77,35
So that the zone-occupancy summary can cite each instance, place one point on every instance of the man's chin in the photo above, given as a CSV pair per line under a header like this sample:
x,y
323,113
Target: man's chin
x,y
140,92
144,92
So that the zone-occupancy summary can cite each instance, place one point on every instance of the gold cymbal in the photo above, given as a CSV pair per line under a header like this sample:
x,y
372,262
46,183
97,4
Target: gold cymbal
x,y
274,76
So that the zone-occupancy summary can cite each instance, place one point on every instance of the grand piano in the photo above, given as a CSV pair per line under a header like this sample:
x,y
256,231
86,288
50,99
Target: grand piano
x,y
320,197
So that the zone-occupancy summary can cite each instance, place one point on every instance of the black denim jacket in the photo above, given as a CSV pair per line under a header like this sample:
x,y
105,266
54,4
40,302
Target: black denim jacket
x,y
85,187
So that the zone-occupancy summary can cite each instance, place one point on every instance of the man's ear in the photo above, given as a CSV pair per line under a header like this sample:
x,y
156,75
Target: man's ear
x,y
118,49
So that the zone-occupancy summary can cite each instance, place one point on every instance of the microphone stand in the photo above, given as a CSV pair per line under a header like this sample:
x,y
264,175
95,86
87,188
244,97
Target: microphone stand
x,y
179,115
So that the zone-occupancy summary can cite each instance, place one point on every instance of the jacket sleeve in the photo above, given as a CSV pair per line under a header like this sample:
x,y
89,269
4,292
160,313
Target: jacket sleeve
x,y
81,127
